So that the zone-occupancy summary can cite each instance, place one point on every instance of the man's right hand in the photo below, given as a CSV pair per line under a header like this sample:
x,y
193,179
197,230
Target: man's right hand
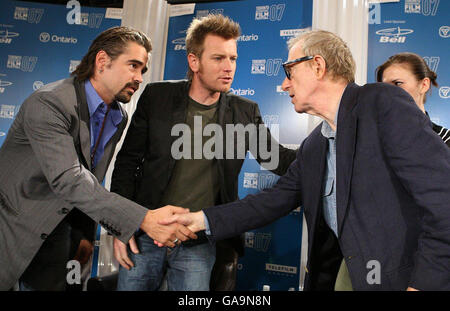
x,y
168,234
193,221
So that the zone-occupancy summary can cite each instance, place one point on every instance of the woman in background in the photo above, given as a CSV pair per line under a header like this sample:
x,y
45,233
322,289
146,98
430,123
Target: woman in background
x,y
410,72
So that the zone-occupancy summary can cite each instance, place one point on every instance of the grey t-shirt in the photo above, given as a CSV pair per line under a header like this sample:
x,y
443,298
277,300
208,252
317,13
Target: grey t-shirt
x,y
195,182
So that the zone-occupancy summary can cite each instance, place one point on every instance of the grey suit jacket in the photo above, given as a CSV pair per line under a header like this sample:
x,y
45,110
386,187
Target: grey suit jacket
x,y
45,173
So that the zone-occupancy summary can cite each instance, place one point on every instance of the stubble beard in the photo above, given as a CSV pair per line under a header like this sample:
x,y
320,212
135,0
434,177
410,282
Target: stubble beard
x,y
211,88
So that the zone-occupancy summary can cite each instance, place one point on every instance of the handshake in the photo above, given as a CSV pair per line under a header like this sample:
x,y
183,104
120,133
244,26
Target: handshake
x,y
167,226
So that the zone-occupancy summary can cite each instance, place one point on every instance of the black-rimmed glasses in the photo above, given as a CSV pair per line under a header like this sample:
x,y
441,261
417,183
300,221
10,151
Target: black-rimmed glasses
x,y
287,65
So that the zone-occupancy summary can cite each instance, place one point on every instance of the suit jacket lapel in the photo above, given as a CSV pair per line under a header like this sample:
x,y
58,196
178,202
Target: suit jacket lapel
x,y
345,151
313,180
179,104
83,114
224,117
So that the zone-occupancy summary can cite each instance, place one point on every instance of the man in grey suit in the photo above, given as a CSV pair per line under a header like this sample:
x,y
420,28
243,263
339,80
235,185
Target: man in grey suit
x,y
54,158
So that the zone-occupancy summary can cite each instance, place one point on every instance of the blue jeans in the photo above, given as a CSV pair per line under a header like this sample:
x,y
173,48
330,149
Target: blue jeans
x,y
186,268
24,287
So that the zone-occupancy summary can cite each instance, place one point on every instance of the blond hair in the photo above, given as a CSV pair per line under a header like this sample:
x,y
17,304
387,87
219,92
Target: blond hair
x,y
215,24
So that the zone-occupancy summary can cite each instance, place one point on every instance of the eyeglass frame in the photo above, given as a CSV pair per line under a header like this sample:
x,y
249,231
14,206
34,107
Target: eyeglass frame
x,y
288,64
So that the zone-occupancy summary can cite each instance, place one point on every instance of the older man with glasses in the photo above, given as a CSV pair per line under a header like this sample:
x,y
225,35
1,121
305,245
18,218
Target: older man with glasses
x,y
287,65
372,178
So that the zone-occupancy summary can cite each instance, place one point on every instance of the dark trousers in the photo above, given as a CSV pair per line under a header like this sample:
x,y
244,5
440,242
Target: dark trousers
x,y
223,275
325,259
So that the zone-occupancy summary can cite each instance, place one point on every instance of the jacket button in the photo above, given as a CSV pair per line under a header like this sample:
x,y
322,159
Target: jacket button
x,y
44,236
64,210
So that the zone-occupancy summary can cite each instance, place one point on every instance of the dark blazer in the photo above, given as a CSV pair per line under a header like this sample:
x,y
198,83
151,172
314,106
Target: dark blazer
x,y
148,143
45,172
393,196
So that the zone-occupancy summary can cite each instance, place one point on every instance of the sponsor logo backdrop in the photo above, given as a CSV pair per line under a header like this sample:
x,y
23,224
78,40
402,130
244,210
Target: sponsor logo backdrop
x,y
39,44
422,27
272,253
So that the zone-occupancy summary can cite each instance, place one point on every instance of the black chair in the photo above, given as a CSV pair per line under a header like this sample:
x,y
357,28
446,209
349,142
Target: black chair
x,y
103,283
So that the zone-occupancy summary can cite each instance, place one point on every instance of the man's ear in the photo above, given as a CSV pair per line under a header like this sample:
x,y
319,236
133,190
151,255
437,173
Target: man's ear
x,y
319,66
194,62
102,60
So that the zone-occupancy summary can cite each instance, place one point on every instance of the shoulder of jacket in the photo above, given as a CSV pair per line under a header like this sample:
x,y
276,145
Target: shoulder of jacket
x,y
236,99
169,84
60,90
381,89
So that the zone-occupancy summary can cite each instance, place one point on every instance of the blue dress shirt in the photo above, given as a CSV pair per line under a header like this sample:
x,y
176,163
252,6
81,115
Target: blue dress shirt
x,y
329,192
97,111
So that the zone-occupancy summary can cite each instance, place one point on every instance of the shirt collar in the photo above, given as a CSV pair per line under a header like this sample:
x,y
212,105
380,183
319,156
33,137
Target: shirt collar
x,y
92,98
326,129
94,101
116,113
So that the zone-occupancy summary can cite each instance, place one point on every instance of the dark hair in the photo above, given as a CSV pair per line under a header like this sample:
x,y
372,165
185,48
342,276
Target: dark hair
x,y
416,63
113,41
216,24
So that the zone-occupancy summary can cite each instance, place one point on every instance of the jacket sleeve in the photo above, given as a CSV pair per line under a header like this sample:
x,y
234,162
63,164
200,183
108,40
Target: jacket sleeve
x,y
47,126
421,161
270,153
255,211
129,160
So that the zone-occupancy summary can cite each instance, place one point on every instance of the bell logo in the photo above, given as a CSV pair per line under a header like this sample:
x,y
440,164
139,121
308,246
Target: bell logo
x,y
179,44
393,35
3,85
392,40
6,36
